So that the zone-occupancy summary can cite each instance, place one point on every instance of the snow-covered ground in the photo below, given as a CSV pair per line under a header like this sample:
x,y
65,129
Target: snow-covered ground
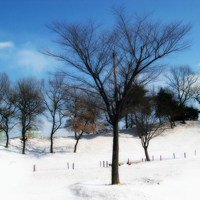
x,y
170,178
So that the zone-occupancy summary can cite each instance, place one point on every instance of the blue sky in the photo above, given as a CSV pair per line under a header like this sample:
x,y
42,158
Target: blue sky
x,y
23,31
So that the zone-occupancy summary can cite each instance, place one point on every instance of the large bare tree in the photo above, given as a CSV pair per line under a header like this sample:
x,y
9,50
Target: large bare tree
x,y
108,61
27,98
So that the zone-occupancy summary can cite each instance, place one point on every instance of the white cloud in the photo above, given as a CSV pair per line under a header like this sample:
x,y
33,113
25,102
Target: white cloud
x,y
32,60
6,45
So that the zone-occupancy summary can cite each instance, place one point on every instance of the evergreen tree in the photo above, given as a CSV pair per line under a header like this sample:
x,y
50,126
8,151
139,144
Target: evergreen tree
x,y
135,97
166,106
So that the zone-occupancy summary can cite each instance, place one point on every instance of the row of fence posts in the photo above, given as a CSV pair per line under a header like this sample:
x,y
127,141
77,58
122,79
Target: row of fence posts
x,y
174,156
68,166
105,163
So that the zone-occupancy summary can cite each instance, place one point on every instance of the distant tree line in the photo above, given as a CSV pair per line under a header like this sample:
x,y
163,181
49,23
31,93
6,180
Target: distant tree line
x,y
24,102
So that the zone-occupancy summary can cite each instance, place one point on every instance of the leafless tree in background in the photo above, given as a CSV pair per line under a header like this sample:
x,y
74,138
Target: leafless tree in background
x,y
181,81
147,123
27,98
7,109
54,97
83,116
107,61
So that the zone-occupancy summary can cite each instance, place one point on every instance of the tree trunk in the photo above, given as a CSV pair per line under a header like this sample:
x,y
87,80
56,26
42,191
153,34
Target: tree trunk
x,y
77,141
183,114
75,133
52,132
131,120
126,120
7,136
146,153
24,141
115,156
183,117
51,146
171,124
7,139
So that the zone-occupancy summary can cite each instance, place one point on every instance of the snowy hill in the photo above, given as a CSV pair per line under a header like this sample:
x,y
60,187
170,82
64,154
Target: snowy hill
x,y
55,178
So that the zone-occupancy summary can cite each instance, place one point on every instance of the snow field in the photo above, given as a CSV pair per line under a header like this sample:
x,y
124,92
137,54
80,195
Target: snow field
x,y
170,178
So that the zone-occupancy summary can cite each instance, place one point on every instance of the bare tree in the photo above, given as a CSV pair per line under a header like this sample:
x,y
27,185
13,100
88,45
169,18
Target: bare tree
x,y
107,62
181,80
83,116
196,93
6,107
27,98
7,112
147,123
4,85
54,98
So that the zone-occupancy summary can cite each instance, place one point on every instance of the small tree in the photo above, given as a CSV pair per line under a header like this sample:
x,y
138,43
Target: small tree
x,y
83,117
147,123
73,109
27,99
54,97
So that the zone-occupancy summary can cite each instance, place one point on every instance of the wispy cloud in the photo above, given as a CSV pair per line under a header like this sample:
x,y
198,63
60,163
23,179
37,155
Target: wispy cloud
x,y
6,45
33,61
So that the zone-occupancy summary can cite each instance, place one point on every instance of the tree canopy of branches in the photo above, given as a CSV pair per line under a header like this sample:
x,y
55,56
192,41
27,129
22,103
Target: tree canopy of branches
x,y
107,62
54,98
27,98
181,80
